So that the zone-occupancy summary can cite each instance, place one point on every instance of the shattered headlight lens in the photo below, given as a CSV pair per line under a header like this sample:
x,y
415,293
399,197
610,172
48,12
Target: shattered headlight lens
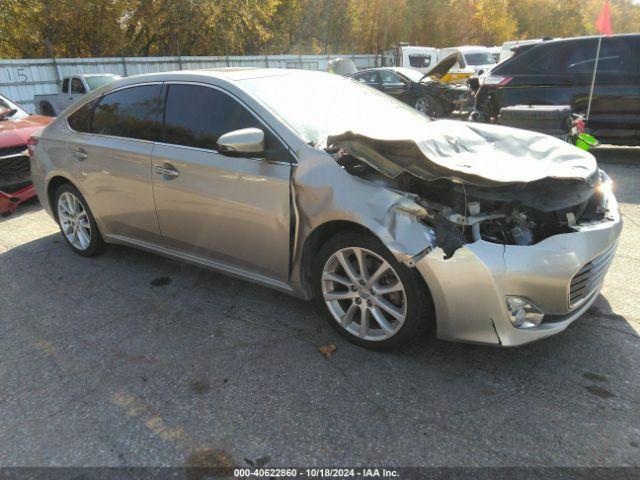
x,y
522,313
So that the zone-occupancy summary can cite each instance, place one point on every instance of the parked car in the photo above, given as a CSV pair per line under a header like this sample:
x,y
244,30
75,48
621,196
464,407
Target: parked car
x,y
16,126
559,72
495,52
426,93
71,89
415,57
472,60
393,222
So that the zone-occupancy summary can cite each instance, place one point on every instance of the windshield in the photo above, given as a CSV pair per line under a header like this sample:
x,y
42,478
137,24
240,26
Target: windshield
x,y
317,105
479,58
6,105
98,81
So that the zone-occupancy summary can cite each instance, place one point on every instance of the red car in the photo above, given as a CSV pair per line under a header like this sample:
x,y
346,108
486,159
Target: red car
x,y
16,126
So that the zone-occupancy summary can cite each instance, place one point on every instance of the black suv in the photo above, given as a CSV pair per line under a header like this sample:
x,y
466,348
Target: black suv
x,y
559,72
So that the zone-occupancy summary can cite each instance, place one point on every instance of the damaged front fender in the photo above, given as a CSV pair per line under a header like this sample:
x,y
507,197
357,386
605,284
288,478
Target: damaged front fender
x,y
322,192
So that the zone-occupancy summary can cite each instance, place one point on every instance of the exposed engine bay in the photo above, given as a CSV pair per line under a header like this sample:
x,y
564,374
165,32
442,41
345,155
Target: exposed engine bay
x,y
461,210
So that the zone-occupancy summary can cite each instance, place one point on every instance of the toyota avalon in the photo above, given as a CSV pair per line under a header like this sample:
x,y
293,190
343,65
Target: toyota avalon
x,y
327,189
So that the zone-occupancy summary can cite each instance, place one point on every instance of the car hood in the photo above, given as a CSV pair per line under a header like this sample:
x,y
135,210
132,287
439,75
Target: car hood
x,y
472,153
442,67
16,132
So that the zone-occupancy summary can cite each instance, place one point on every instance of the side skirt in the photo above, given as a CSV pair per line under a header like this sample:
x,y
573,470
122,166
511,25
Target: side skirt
x,y
210,264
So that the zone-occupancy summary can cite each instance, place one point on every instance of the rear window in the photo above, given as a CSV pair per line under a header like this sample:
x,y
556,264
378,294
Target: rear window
x,y
130,113
419,60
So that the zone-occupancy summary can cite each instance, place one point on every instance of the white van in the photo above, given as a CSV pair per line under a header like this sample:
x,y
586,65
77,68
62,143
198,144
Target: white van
x,y
419,58
472,58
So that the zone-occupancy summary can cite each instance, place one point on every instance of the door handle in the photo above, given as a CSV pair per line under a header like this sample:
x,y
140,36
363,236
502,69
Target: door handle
x,y
79,154
167,170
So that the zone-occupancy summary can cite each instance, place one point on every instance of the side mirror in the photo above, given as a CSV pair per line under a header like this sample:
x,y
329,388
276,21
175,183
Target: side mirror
x,y
245,140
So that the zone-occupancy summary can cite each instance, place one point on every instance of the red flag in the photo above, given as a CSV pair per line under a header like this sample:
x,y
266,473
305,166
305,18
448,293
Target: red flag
x,y
603,22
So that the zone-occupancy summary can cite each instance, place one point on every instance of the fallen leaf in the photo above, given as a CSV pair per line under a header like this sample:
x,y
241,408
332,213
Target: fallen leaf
x,y
327,350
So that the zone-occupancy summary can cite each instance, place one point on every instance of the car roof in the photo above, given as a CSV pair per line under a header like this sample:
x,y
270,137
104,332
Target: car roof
x,y
377,69
228,73
470,48
573,39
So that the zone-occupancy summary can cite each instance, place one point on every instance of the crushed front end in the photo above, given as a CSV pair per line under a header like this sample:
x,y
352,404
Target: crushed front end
x,y
514,260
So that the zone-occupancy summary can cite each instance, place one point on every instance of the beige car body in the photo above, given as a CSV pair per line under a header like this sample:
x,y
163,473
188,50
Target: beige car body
x,y
263,219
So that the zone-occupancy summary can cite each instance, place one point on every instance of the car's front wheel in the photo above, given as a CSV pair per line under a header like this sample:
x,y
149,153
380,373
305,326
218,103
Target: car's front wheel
x,y
77,224
372,299
429,106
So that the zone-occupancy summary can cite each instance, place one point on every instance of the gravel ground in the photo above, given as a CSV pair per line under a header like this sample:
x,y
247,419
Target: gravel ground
x,y
129,359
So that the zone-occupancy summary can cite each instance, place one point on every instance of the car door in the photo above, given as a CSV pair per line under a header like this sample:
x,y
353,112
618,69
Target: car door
x,y
393,84
369,77
77,90
109,155
231,210
615,107
63,99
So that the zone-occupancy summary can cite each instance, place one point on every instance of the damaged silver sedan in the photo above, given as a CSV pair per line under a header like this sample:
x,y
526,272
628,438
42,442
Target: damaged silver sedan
x,y
326,189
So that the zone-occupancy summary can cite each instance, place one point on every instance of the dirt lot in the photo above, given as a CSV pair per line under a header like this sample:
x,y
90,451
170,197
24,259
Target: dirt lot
x,y
132,359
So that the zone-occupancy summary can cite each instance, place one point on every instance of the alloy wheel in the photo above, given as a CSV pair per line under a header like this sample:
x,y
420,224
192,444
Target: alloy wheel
x,y
364,294
74,220
423,105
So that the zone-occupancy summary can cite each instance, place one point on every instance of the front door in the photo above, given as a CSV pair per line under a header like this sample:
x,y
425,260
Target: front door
x,y
393,84
234,210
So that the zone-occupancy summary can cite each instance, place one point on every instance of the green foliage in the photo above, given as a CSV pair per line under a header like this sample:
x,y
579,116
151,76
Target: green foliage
x,y
98,28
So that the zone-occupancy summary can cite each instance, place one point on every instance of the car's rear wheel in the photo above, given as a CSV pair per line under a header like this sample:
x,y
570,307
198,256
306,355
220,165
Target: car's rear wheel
x,y
429,106
373,300
77,224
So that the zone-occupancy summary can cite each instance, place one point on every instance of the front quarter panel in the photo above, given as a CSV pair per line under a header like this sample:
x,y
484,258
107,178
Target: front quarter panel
x,y
324,192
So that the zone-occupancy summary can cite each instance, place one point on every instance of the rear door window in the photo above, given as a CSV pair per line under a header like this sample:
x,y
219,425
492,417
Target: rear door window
x,y
567,57
65,85
196,116
132,112
80,120
617,55
370,78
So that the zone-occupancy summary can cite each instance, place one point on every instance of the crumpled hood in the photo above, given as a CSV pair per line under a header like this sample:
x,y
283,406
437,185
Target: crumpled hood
x,y
473,153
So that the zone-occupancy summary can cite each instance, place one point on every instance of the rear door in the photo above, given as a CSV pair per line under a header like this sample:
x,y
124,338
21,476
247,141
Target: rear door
x,y
369,77
232,210
110,158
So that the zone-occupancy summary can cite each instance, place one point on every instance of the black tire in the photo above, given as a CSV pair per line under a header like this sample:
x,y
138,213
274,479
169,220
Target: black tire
x,y
420,316
96,243
434,109
47,109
